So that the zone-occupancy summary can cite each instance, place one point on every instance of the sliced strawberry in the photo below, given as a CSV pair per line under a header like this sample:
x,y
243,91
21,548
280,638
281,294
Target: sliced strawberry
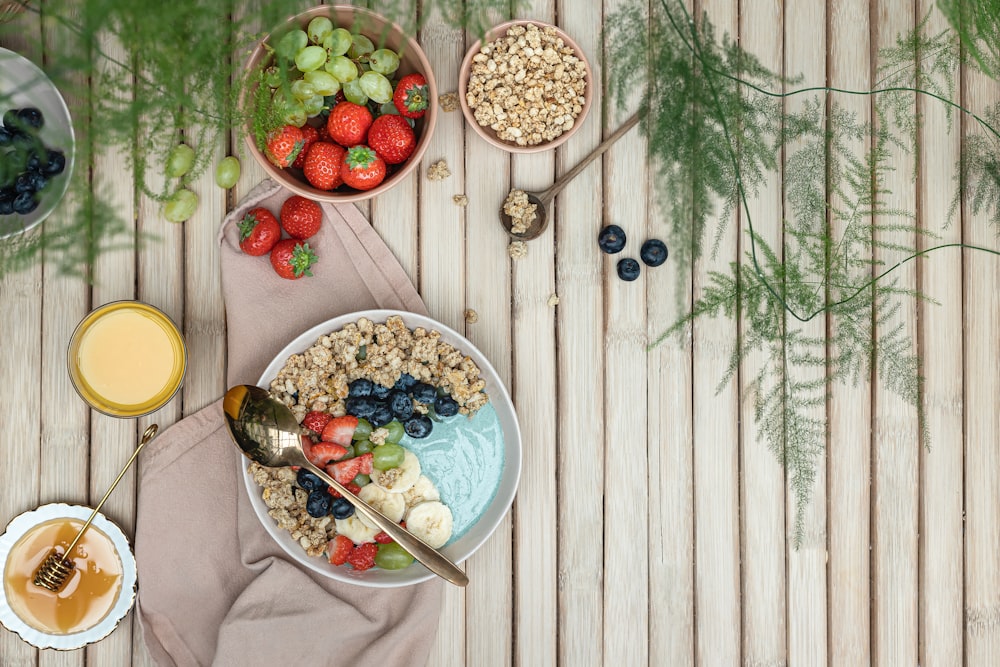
x,y
362,557
383,538
339,548
340,430
345,471
366,463
351,486
322,453
316,421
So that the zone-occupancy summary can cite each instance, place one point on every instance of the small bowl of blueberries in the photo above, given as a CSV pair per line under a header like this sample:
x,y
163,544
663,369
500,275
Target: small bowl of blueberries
x,y
36,145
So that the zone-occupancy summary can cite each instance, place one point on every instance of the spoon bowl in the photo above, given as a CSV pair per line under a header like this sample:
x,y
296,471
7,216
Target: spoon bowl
x,y
265,431
537,225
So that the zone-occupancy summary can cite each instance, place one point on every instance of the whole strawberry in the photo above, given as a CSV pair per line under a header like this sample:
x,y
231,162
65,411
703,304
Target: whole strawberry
x,y
392,138
300,217
284,145
322,165
362,168
310,135
411,95
348,124
292,259
259,231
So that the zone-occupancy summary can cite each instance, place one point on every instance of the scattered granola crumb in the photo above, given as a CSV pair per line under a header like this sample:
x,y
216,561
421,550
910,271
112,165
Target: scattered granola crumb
x,y
553,301
438,171
517,249
448,101
521,211
460,200
471,316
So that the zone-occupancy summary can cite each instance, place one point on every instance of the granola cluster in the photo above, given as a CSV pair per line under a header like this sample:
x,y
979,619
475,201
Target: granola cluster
x,y
528,85
521,211
438,171
286,504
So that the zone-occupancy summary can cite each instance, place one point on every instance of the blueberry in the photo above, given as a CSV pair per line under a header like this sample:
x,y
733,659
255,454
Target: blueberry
x,y
6,137
424,393
445,406
25,203
342,508
6,206
319,503
309,481
611,239
653,252
38,180
34,162
381,416
360,387
418,426
31,117
24,182
55,164
401,404
10,119
628,269
24,141
406,382
381,392
360,406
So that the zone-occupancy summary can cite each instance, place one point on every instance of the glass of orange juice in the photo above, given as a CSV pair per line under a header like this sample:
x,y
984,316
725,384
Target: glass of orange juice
x,y
126,359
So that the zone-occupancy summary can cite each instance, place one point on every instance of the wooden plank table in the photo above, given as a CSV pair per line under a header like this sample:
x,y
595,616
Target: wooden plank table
x,y
652,525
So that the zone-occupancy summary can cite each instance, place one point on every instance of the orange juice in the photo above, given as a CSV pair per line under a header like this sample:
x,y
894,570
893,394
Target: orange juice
x,y
126,359
91,588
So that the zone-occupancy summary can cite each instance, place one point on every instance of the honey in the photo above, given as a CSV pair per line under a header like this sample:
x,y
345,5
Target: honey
x,y
91,588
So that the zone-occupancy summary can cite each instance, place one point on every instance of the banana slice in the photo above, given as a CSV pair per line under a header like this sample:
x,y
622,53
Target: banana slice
x,y
431,521
390,504
422,490
357,530
401,478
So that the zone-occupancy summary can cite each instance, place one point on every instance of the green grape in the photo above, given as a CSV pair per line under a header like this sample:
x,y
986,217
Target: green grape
x,y
376,87
310,58
313,105
302,89
396,431
362,446
181,206
319,29
291,43
384,61
227,172
337,42
362,479
388,108
388,456
342,68
179,161
323,83
391,556
349,454
362,430
361,47
294,114
355,93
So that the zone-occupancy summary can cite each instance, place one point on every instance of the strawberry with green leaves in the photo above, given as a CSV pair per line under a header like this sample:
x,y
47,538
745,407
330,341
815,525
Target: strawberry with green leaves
x,y
410,97
322,165
348,123
292,259
284,145
259,232
362,168
301,217
392,138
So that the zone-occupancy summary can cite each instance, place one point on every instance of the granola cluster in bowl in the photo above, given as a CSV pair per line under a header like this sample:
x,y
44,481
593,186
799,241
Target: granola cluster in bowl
x,y
461,442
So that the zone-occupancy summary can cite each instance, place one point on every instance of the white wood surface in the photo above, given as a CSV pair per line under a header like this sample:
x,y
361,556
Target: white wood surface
x,y
652,526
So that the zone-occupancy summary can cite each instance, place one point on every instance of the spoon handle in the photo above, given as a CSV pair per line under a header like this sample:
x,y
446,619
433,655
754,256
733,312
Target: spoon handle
x,y
547,195
430,557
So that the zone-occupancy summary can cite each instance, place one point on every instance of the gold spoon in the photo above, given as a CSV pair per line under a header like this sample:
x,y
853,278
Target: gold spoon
x,y
56,567
542,200
265,430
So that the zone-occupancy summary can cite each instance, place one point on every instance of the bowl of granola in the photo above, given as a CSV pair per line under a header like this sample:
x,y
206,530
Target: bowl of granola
x,y
526,87
411,417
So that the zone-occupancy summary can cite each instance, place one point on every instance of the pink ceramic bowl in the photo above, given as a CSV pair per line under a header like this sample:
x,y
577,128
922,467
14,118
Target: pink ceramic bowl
x,y
411,59
490,135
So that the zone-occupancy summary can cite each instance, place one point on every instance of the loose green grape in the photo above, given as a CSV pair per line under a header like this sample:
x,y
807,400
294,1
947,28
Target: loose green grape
x,y
362,430
362,479
388,456
179,161
310,58
355,93
349,454
323,83
384,61
362,447
181,206
396,431
391,556
313,105
227,172
319,29
302,89
342,68
376,87
291,43
361,47
338,42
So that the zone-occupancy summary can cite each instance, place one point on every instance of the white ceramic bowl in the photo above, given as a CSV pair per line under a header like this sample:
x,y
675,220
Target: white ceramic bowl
x,y
23,84
19,527
462,547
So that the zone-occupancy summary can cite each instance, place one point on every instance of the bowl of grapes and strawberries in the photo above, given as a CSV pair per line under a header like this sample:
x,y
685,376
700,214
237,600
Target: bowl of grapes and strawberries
x,y
339,104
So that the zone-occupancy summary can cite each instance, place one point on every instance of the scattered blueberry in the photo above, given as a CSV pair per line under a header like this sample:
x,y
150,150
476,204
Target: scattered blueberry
x,y
653,252
319,503
55,164
406,382
25,203
628,269
31,117
445,406
360,387
611,239
309,481
424,393
381,416
401,405
360,406
418,426
342,508
381,392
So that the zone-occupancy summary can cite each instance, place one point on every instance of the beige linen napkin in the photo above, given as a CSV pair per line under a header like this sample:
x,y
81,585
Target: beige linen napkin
x,y
214,588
